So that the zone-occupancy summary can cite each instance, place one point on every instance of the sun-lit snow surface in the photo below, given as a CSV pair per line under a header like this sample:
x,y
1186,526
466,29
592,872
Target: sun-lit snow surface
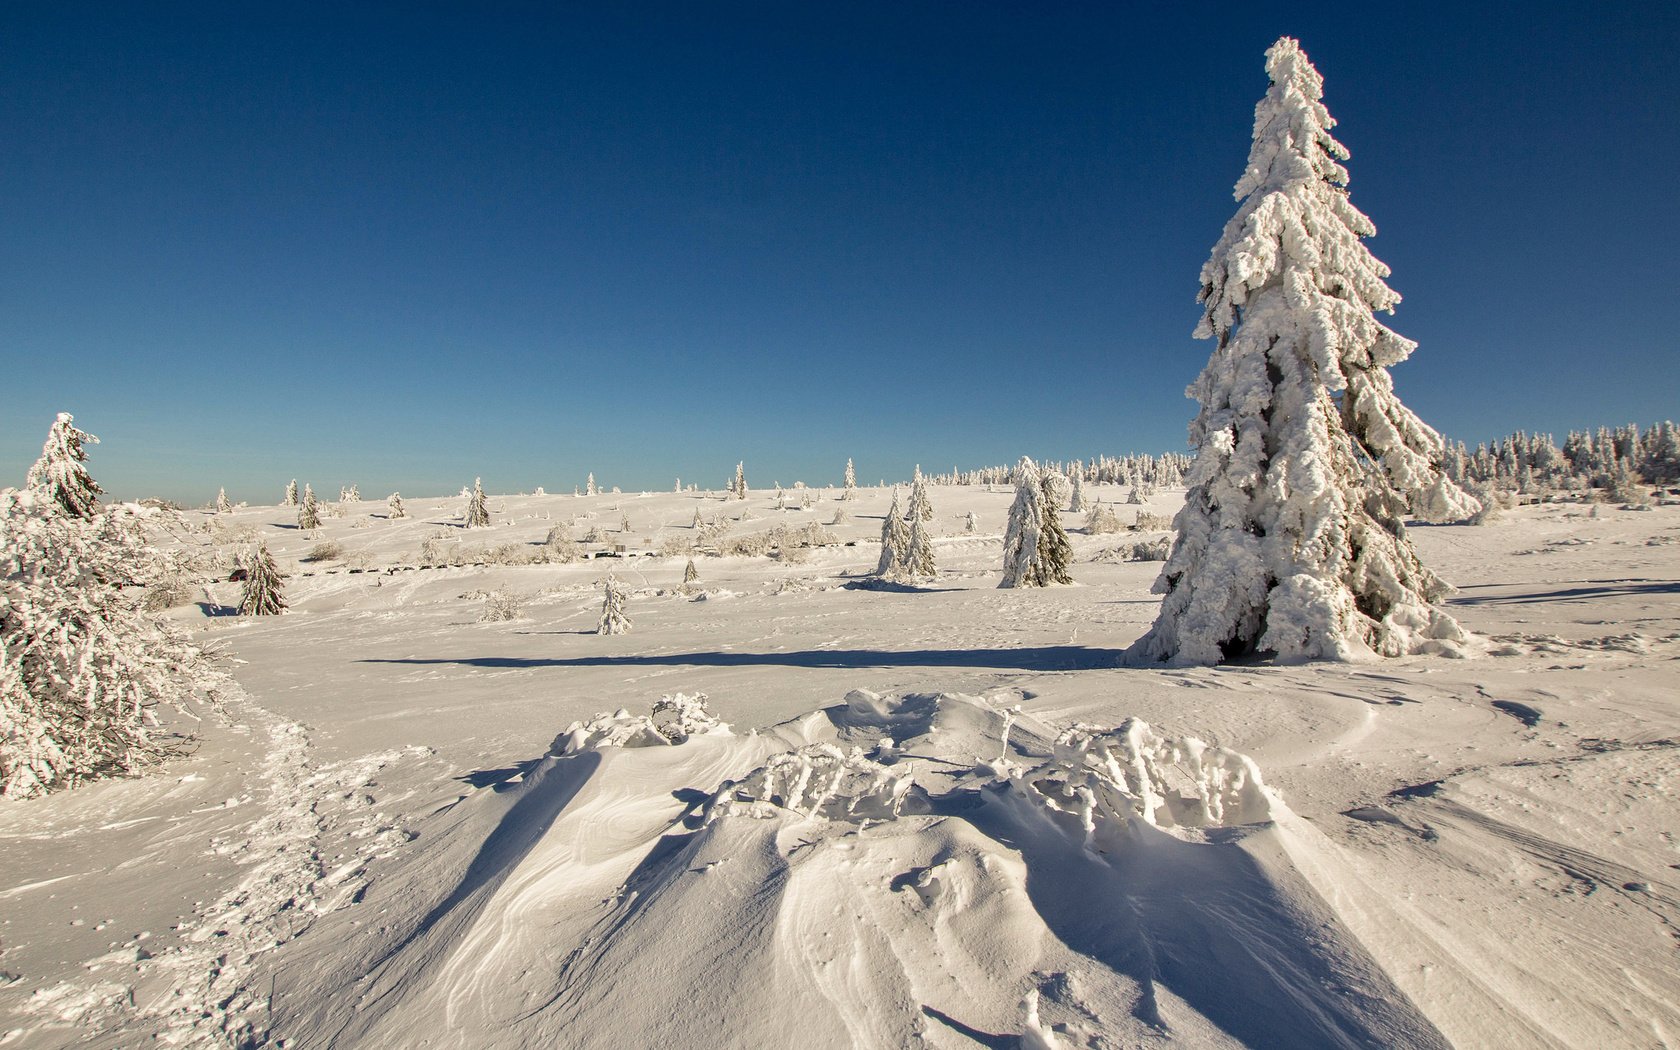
x,y
936,815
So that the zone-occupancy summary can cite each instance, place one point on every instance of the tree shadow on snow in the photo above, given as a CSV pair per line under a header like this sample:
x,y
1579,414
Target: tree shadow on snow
x,y
1589,590
1041,658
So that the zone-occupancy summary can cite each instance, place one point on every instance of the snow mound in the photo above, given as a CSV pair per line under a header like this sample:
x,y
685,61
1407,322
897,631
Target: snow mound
x,y
819,780
1132,771
675,718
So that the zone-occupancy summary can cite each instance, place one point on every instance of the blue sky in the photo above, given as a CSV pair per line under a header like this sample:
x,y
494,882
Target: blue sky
x,y
407,245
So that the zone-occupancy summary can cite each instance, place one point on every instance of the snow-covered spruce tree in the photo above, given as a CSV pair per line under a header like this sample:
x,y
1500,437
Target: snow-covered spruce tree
x,y
1291,541
918,552
222,504
851,482
59,474
1020,538
895,542
477,513
291,494
1055,553
309,511
971,523
263,594
919,505
82,667
396,508
691,576
589,485
740,489
1076,501
613,619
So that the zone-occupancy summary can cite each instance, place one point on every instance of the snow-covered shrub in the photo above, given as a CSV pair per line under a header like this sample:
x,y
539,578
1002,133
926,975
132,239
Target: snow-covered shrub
x,y
500,606
1147,522
561,547
394,507
613,618
1150,550
840,515
1101,520
1103,779
329,550
82,668
819,780
1291,539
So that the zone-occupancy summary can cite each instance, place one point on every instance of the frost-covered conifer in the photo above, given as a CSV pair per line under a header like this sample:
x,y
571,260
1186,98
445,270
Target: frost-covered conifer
x,y
691,576
222,504
349,494
291,494
1055,553
971,523
263,594
699,521
82,668
851,482
395,505
589,485
919,505
613,618
1020,539
740,480
895,541
1291,541
1076,501
918,552
477,513
59,474
309,511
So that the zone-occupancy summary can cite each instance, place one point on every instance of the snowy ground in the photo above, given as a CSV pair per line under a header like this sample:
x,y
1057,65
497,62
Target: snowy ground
x,y
392,842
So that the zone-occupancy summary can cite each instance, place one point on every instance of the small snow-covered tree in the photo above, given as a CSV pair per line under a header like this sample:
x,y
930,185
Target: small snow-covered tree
x,y
263,594
395,508
349,494
291,494
851,482
1291,541
895,541
970,523
1055,553
1020,538
60,475
82,667
920,507
589,488
613,618
309,510
740,480
1076,501
222,504
918,552
477,512
691,576
699,521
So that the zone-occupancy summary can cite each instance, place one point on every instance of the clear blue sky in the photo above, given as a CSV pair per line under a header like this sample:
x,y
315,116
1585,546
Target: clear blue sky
x,y
405,245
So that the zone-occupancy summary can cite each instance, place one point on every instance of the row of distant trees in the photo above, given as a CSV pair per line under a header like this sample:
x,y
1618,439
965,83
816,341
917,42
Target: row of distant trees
x,y
1617,462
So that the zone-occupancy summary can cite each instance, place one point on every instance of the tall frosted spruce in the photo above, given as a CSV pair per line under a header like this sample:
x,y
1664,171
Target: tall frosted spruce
x,y
851,482
920,507
263,594
895,542
1055,553
1020,537
291,494
477,513
1291,540
223,505
309,511
59,475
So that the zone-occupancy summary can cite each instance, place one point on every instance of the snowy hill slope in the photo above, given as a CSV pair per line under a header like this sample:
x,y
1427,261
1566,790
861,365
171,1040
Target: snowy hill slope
x,y
397,843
